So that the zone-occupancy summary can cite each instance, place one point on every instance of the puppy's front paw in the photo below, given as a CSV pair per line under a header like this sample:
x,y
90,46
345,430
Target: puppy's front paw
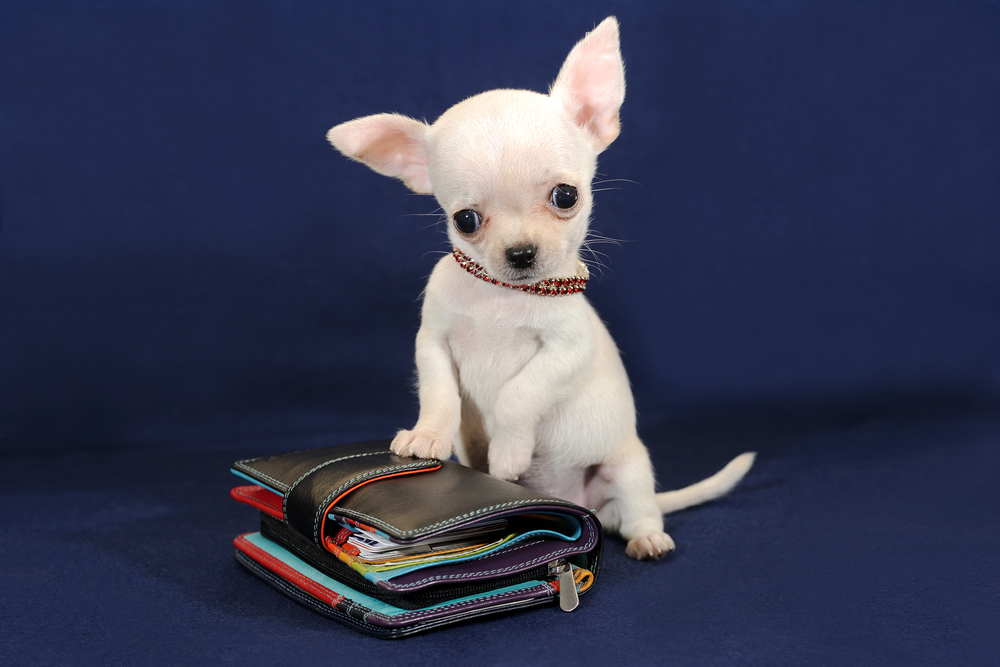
x,y
422,445
508,463
653,546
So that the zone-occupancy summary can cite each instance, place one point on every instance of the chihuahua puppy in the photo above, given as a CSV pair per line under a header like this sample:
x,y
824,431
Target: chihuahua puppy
x,y
516,372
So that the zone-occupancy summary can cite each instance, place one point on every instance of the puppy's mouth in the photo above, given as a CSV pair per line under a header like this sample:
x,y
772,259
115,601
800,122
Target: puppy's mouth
x,y
519,276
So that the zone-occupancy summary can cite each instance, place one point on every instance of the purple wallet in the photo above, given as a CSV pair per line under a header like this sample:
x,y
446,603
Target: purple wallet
x,y
393,546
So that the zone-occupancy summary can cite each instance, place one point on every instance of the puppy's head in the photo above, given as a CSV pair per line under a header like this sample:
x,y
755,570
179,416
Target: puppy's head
x,y
510,168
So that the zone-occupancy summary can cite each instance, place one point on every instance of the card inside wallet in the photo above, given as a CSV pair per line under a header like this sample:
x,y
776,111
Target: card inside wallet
x,y
410,543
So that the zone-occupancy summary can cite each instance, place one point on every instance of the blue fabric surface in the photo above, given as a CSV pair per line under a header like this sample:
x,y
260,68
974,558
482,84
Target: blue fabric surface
x,y
807,195
856,540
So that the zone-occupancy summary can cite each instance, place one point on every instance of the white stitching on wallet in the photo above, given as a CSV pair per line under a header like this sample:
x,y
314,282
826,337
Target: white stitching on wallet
x,y
428,612
541,559
461,517
502,552
351,482
284,500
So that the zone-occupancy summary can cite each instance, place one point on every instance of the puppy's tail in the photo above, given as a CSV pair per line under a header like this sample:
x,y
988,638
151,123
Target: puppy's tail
x,y
717,485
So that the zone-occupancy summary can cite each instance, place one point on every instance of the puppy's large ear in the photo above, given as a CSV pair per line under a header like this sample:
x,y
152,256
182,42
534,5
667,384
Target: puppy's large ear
x,y
391,144
591,83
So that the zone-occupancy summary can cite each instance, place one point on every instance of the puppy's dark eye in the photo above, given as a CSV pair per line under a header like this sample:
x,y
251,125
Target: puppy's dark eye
x,y
467,221
564,196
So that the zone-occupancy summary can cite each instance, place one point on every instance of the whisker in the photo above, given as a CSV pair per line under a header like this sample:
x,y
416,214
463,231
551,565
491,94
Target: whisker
x,y
596,252
616,180
435,252
599,257
435,214
595,236
595,262
434,224
614,242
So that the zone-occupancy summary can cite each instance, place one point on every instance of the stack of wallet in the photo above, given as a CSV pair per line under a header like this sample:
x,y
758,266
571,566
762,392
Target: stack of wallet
x,y
393,546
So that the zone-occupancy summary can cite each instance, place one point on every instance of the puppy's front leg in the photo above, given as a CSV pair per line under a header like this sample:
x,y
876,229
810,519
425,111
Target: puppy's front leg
x,y
433,437
545,380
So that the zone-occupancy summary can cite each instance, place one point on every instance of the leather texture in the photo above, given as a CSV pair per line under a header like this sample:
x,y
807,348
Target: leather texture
x,y
409,508
283,471
408,499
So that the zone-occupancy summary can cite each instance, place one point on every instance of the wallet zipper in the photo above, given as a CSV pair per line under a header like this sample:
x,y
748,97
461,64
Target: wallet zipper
x,y
569,598
559,574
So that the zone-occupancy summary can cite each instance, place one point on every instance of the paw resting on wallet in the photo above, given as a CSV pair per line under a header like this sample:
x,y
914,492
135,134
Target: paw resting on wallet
x,y
422,444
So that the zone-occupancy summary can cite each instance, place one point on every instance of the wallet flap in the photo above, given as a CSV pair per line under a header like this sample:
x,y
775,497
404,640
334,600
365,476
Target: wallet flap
x,y
413,508
313,480
283,471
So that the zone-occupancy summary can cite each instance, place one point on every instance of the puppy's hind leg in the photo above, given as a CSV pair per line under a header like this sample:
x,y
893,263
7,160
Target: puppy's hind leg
x,y
630,507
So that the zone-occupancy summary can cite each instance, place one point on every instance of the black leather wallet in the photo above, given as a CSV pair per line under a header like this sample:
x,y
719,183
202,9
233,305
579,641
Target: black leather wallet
x,y
393,546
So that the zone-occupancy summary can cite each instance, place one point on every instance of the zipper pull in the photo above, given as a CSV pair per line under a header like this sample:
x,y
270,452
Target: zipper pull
x,y
569,599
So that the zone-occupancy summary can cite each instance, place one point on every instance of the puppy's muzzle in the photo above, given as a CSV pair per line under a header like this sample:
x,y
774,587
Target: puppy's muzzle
x,y
521,256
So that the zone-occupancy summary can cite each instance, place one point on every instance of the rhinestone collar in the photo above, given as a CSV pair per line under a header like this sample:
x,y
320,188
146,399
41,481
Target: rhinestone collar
x,y
546,287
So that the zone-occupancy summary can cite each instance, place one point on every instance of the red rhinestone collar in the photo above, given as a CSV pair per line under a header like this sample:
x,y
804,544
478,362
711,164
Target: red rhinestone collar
x,y
546,287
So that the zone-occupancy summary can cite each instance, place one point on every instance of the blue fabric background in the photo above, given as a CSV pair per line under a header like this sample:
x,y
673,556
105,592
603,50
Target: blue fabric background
x,y
807,196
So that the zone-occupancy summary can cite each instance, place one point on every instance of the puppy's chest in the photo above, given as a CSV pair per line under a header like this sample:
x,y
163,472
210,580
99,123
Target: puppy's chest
x,y
489,346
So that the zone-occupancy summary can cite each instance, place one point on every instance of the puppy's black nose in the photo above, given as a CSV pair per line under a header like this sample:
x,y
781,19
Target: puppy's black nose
x,y
521,256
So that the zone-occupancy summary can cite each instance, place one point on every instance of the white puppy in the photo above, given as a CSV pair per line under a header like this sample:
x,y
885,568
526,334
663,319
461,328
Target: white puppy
x,y
517,374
